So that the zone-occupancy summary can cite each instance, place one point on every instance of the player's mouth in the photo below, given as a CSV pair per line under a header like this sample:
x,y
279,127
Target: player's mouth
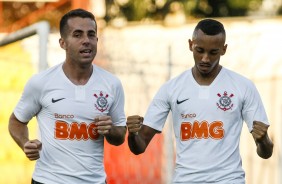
x,y
204,67
86,52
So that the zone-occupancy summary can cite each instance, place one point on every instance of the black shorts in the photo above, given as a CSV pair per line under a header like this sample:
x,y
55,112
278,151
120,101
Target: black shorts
x,y
35,182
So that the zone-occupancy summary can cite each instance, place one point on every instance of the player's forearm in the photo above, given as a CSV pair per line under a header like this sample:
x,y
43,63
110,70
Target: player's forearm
x,y
116,135
265,148
136,144
18,131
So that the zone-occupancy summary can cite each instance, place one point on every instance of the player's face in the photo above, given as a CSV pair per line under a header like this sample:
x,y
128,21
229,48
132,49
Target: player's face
x,y
80,41
207,51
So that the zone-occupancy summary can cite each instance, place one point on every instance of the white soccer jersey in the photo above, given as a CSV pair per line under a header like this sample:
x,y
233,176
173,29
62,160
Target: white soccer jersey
x,y
207,122
72,150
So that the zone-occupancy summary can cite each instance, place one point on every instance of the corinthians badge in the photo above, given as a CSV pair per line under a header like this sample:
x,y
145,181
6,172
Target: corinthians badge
x,y
224,102
101,102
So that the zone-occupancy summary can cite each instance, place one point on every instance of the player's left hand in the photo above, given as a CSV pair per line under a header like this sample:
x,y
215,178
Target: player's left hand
x,y
134,124
104,124
259,131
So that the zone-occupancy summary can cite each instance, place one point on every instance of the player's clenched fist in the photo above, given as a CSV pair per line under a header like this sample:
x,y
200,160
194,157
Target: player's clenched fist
x,y
259,130
134,123
31,149
104,124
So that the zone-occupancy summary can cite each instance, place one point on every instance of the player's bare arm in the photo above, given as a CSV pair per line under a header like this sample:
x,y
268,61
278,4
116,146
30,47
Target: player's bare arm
x,y
115,135
263,142
139,135
19,132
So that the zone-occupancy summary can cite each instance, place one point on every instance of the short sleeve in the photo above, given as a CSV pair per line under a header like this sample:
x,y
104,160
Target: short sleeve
x,y
29,103
117,110
158,110
253,109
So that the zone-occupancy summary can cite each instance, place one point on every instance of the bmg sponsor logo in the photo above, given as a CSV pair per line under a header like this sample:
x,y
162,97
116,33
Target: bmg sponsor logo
x,y
75,131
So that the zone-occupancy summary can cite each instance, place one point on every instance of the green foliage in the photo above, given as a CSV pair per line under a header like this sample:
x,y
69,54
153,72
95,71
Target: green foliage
x,y
245,4
136,10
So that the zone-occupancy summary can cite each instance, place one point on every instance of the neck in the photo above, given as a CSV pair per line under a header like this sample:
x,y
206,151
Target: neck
x,y
205,79
78,75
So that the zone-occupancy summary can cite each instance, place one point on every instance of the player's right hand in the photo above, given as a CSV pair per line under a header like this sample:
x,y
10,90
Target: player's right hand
x,y
134,123
31,149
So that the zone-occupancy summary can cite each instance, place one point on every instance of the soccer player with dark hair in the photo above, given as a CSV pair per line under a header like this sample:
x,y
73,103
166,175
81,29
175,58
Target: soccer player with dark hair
x,y
209,104
77,104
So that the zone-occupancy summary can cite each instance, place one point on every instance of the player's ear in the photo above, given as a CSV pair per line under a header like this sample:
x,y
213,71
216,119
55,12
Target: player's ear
x,y
224,49
62,43
190,42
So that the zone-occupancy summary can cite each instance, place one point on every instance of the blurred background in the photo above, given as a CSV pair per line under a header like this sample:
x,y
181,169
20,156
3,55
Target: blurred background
x,y
144,43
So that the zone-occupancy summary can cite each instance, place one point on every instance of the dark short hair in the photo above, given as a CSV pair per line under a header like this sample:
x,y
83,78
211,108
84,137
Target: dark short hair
x,y
210,27
74,13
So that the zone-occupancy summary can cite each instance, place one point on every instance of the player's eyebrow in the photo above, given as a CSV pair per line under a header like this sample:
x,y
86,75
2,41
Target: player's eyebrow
x,y
77,31
81,31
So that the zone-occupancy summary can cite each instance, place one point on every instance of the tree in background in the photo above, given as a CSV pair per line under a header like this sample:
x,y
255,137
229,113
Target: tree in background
x,y
138,10
146,10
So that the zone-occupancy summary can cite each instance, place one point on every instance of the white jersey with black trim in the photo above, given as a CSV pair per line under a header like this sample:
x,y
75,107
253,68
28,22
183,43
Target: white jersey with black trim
x,y
72,150
207,122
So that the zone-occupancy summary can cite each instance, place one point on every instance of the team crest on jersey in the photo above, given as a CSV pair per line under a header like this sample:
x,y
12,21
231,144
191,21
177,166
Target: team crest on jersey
x,y
101,102
225,102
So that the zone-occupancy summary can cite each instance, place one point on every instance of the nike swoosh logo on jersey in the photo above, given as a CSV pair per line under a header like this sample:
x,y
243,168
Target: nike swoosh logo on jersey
x,y
56,100
179,102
